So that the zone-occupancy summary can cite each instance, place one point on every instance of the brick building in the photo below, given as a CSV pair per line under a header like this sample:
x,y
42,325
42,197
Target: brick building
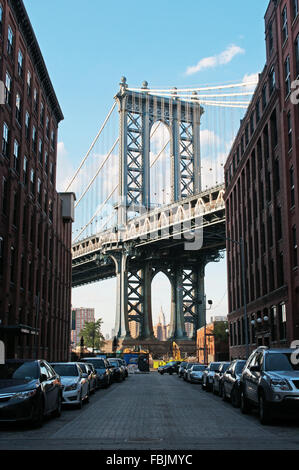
x,y
80,316
262,201
35,221
212,342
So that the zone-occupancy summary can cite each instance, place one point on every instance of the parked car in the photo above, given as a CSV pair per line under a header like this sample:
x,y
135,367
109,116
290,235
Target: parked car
x,y
92,376
160,369
195,373
74,382
231,382
208,375
125,367
104,374
270,381
181,370
29,390
171,367
218,376
118,371
188,366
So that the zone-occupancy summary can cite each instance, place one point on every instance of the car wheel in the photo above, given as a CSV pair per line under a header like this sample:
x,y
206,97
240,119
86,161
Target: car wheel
x,y
80,404
38,420
57,412
235,398
214,390
264,410
244,404
223,393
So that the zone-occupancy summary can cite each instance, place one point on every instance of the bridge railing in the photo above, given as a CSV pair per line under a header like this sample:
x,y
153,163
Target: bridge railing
x,y
159,219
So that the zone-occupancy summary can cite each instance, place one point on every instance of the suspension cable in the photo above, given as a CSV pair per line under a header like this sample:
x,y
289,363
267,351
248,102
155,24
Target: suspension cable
x,y
185,90
98,171
91,147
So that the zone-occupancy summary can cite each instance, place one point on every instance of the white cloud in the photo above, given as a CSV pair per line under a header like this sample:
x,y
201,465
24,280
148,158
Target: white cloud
x,y
219,59
248,78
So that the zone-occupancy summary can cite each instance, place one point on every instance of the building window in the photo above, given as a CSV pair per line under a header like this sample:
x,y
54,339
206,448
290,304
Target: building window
x,y
276,175
51,210
29,83
282,321
51,173
295,246
35,100
10,42
40,151
292,186
280,270
42,114
273,322
15,209
270,38
32,181
47,127
39,191
284,24
278,224
252,123
52,139
8,89
287,76
46,162
12,264
271,81
25,171
27,124
264,96
289,124
20,63
273,125
18,108
5,146
295,8
34,140
297,55
257,111
16,156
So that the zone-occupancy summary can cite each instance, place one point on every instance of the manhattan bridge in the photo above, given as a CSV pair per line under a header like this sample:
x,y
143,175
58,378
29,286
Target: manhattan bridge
x,y
150,199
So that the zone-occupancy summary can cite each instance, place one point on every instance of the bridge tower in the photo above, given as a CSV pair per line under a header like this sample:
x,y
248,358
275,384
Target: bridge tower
x,y
138,112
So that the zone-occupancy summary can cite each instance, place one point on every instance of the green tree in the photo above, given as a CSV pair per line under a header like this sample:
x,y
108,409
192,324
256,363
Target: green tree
x,y
220,331
93,337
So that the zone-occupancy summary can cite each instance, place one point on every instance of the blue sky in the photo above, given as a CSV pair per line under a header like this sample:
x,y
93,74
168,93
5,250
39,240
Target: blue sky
x,y
89,45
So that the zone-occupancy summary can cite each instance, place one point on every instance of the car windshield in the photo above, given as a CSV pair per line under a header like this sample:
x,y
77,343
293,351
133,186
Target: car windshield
x,y
183,364
215,366
97,363
19,371
225,367
189,366
198,368
239,367
66,370
114,363
84,368
281,362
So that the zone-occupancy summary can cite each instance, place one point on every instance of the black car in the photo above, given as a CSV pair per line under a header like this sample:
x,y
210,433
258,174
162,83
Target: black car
x,y
217,381
118,370
29,390
171,367
104,375
231,382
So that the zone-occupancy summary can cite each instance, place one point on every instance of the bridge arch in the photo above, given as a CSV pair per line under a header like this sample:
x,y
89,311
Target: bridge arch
x,y
161,301
160,164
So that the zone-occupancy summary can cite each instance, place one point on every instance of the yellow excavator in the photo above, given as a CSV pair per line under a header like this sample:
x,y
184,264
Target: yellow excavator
x,y
176,353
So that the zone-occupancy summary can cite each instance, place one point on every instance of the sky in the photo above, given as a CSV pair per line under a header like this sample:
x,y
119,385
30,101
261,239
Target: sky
x,y
88,46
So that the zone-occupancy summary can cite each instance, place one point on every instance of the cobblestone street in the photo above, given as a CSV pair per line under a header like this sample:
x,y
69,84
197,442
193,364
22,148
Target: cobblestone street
x,y
149,411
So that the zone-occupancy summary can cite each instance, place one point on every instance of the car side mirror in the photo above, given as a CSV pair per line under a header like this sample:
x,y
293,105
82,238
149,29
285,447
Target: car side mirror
x,y
43,378
84,375
255,369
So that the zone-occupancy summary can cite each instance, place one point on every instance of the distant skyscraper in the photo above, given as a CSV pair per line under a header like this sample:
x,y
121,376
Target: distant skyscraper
x,y
160,329
80,316
134,328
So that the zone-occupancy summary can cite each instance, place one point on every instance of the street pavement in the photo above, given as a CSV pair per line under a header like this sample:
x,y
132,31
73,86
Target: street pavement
x,y
150,411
